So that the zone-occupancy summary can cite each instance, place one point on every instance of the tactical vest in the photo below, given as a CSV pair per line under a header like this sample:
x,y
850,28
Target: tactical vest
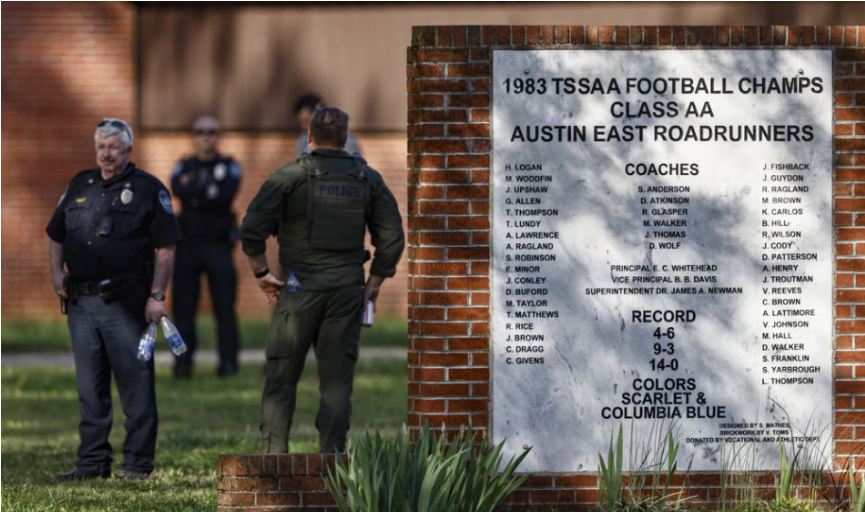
x,y
336,206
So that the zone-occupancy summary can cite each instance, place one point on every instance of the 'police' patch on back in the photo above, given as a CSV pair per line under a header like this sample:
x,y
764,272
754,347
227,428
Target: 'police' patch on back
x,y
339,190
165,201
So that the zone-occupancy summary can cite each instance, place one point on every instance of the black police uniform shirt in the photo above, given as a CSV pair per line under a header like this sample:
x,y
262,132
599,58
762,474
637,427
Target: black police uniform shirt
x,y
206,190
109,228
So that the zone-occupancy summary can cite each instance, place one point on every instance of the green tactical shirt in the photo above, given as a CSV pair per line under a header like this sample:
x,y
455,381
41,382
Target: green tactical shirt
x,y
280,208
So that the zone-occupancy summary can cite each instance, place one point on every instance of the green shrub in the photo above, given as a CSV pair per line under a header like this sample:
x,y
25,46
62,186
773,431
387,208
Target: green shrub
x,y
784,484
610,475
652,465
391,475
792,504
857,492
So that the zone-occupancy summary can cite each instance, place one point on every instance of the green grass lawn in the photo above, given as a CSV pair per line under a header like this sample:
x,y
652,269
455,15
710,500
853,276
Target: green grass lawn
x,y
198,420
40,335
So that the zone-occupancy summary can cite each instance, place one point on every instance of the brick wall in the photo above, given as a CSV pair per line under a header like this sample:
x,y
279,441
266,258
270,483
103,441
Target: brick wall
x,y
268,483
448,204
65,67
449,155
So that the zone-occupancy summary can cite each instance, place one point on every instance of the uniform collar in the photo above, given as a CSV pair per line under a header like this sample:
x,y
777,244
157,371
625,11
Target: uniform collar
x,y
216,159
331,153
120,177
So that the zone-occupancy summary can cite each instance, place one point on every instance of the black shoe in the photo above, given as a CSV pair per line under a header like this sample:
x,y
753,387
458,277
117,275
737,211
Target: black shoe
x,y
227,370
77,474
133,475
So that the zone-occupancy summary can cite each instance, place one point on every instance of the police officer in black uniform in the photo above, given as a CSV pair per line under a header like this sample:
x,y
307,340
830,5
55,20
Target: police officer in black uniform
x,y
319,207
206,184
115,231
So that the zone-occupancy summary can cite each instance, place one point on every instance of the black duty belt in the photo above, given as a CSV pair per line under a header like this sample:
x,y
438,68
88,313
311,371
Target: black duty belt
x,y
102,286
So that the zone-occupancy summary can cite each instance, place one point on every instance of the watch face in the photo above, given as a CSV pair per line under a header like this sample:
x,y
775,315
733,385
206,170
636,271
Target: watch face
x,y
158,296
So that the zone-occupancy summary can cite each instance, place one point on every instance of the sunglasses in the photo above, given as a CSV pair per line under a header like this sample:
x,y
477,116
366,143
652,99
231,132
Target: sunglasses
x,y
120,125
206,132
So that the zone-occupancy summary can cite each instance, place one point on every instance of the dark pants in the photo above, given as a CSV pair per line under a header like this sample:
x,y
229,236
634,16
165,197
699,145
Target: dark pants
x,y
193,257
330,322
105,342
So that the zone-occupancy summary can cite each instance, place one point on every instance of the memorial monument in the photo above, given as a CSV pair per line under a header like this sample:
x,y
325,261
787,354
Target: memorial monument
x,y
652,227
661,250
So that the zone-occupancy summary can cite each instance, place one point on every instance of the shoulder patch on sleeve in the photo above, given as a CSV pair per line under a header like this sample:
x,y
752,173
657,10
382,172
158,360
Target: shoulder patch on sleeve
x,y
178,168
165,201
234,169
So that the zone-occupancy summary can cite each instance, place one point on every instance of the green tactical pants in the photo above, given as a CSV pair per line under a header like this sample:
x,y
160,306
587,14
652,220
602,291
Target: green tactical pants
x,y
330,322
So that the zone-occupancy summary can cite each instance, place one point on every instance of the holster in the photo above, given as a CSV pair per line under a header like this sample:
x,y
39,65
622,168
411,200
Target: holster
x,y
64,302
72,291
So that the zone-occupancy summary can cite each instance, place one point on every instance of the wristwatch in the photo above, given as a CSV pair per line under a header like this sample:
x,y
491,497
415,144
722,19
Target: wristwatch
x,y
158,296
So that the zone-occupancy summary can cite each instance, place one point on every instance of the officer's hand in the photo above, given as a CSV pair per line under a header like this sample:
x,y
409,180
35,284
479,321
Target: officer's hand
x,y
271,286
57,278
154,310
372,287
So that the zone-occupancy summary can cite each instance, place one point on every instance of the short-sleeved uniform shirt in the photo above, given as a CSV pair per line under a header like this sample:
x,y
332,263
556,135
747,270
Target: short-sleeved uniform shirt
x,y
109,228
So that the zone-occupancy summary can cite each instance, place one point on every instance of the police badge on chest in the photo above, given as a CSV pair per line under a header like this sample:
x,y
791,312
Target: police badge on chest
x,y
219,171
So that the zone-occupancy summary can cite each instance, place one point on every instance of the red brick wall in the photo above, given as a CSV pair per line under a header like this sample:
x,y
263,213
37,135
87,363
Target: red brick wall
x,y
449,154
274,482
448,204
65,67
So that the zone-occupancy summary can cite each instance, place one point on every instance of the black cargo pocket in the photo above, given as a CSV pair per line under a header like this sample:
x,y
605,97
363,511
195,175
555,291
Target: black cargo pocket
x,y
280,341
353,340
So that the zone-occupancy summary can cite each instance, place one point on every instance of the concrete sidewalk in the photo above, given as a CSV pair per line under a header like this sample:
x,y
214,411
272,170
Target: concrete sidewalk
x,y
165,357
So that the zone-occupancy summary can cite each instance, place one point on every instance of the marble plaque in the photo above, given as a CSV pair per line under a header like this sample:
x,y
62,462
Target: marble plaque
x,y
662,253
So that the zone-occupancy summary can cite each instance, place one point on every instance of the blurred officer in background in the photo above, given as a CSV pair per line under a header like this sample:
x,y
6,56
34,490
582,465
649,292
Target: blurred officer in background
x,y
115,231
206,185
319,207
303,109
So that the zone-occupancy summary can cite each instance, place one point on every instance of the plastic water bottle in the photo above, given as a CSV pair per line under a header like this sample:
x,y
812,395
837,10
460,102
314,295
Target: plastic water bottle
x,y
173,337
146,343
368,314
292,284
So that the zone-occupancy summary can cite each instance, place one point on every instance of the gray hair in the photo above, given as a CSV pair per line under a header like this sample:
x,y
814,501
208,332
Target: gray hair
x,y
112,126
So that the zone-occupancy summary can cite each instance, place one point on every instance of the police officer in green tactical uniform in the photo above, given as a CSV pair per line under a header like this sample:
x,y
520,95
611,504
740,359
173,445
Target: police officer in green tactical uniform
x,y
319,207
